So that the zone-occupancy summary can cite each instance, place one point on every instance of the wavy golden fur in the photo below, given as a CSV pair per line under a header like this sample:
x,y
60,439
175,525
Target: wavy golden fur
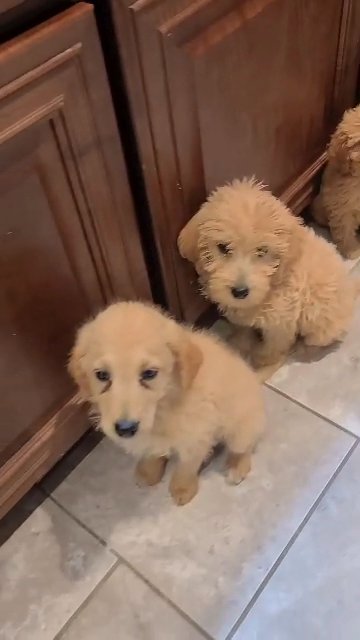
x,y
245,240
338,204
202,393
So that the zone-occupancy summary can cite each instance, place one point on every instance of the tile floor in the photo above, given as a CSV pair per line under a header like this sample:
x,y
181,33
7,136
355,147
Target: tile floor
x,y
277,558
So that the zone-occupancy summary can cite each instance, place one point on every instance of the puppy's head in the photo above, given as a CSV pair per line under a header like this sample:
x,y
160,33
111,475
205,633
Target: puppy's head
x,y
344,147
240,242
129,362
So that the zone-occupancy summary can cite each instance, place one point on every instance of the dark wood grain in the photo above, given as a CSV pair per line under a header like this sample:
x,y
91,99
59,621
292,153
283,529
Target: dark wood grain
x,y
68,236
225,88
6,5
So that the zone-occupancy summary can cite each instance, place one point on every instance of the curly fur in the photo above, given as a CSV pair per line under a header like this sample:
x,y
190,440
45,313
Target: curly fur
x,y
338,204
203,393
298,284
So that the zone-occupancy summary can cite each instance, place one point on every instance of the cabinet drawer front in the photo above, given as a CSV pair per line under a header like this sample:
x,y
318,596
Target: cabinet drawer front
x,y
68,237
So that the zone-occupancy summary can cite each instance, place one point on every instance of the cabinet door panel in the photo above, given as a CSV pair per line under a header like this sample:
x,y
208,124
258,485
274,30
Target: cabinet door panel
x,y
226,88
48,283
68,236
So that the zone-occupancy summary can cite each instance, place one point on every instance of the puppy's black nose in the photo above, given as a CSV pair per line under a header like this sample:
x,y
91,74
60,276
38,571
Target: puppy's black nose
x,y
240,292
126,428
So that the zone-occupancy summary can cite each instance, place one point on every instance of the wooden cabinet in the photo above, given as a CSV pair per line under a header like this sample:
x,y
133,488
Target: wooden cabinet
x,y
226,88
68,236
217,89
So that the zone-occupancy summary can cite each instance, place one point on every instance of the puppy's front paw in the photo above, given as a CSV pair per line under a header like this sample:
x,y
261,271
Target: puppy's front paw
x,y
261,359
265,373
238,467
149,471
234,477
182,491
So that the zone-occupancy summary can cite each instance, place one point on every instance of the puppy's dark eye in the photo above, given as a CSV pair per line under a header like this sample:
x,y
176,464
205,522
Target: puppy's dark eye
x,y
261,251
102,375
224,248
148,374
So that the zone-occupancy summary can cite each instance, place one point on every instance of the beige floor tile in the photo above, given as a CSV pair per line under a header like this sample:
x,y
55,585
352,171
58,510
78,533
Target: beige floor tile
x,y
315,593
47,568
125,608
331,384
210,556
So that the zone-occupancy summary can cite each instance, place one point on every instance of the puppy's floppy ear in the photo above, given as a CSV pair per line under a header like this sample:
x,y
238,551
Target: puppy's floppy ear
x,y
188,357
289,235
188,239
76,364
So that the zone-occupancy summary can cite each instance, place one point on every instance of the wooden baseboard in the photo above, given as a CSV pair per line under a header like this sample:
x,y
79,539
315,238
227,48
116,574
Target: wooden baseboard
x,y
302,191
41,452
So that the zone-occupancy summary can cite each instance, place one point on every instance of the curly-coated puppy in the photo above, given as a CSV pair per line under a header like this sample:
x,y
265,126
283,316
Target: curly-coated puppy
x,y
161,388
338,204
268,272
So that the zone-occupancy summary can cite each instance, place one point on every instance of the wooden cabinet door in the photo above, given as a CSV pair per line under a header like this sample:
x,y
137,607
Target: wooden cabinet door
x,y
226,88
68,238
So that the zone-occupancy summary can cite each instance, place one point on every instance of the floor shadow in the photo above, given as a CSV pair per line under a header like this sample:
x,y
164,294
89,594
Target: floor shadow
x,y
306,354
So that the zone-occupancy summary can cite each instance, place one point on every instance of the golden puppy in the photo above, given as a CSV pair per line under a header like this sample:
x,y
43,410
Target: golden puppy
x,y
161,389
268,272
338,204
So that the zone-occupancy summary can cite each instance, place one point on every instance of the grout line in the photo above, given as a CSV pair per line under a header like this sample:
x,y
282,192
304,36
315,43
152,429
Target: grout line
x,y
121,560
81,524
313,411
164,597
88,599
289,545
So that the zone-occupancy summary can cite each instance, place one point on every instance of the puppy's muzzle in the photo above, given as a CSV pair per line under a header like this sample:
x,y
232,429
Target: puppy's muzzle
x,y
240,292
126,428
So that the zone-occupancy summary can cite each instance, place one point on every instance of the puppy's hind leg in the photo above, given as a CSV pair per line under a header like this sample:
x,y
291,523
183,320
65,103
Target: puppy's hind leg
x,y
327,332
